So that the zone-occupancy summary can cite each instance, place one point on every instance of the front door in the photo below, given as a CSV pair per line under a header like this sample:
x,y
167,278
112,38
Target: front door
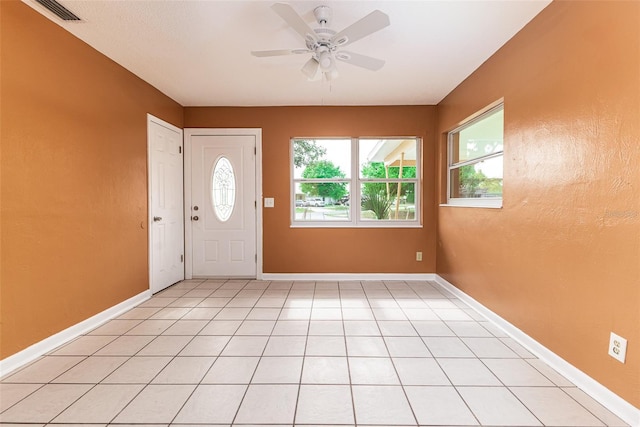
x,y
166,215
223,205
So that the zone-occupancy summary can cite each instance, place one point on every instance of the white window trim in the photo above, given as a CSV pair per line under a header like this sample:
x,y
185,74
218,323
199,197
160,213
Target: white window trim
x,y
491,203
354,193
472,202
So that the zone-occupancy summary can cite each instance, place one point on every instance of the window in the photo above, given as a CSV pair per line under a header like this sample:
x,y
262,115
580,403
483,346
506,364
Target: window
x,y
223,186
355,182
475,161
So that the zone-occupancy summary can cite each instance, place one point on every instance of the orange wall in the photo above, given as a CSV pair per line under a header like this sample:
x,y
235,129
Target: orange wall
x,y
73,178
337,250
561,260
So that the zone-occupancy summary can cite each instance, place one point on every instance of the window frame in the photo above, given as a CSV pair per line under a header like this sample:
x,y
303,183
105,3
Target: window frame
x,y
477,202
354,184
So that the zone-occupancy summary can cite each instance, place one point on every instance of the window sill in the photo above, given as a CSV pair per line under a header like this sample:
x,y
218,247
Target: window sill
x,y
484,204
352,226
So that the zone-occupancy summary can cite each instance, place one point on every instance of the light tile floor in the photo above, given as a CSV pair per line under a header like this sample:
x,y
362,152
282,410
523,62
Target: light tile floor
x,y
239,352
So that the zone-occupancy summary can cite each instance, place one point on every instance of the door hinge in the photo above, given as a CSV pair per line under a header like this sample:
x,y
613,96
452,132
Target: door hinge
x,y
256,257
255,151
255,204
181,258
179,150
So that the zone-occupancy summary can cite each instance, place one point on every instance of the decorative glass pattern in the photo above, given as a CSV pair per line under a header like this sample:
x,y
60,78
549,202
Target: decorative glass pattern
x,y
223,189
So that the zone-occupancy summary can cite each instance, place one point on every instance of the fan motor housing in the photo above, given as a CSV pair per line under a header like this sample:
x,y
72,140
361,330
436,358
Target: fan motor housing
x,y
325,33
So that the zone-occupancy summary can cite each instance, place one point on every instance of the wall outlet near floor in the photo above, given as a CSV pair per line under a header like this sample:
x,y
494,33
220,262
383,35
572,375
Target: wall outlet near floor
x,y
617,347
418,256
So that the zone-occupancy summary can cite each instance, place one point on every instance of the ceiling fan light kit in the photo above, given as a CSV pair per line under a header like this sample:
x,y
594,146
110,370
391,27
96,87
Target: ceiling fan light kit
x,y
324,59
323,43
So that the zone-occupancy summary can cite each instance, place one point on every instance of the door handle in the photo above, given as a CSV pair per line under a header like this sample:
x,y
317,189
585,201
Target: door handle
x,y
157,218
195,218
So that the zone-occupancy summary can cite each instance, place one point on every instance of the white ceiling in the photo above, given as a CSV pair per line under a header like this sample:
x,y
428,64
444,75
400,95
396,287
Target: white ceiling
x,y
197,51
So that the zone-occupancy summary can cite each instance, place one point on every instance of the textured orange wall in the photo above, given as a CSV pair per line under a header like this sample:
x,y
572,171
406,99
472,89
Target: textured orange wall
x,y
336,250
73,178
561,260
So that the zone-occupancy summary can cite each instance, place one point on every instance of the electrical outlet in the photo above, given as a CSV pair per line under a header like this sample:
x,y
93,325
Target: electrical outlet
x,y
617,347
269,202
418,256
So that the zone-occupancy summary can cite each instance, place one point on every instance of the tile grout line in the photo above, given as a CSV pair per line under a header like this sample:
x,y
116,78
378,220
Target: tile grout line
x,y
214,361
50,382
304,355
419,296
257,364
476,357
172,358
395,369
346,349
526,360
306,341
225,346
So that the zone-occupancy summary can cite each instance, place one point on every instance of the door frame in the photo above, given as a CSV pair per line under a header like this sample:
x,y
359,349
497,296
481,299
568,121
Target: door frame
x,y
188,238
153,119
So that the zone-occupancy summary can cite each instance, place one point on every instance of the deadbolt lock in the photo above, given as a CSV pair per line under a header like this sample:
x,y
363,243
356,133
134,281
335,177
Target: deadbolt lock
x,y
195,208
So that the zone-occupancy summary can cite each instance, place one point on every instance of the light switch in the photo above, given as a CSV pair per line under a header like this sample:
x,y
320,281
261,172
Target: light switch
x,y
269,202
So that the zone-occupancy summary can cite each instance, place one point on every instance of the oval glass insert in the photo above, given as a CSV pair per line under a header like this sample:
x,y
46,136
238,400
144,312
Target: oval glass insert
x,y
223,189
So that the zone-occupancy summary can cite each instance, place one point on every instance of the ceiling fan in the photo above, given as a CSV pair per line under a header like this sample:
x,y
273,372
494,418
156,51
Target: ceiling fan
x,y
325,44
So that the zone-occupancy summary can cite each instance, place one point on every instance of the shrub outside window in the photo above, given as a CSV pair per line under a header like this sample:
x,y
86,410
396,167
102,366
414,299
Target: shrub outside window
x,y
475,172
355,182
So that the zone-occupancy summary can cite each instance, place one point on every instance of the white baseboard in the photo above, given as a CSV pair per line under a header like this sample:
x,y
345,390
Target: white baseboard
x,y
40,348
623,409
347,276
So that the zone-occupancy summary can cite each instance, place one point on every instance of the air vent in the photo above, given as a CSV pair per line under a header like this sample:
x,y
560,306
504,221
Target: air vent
x,y
59,10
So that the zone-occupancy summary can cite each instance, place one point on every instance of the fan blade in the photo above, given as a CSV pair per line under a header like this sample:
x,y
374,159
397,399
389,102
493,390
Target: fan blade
x,y
375,21
310,69
373,64
279,52
294,20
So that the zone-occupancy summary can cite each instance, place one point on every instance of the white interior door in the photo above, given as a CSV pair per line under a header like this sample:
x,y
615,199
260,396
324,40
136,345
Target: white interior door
x,y
223,205
166,215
